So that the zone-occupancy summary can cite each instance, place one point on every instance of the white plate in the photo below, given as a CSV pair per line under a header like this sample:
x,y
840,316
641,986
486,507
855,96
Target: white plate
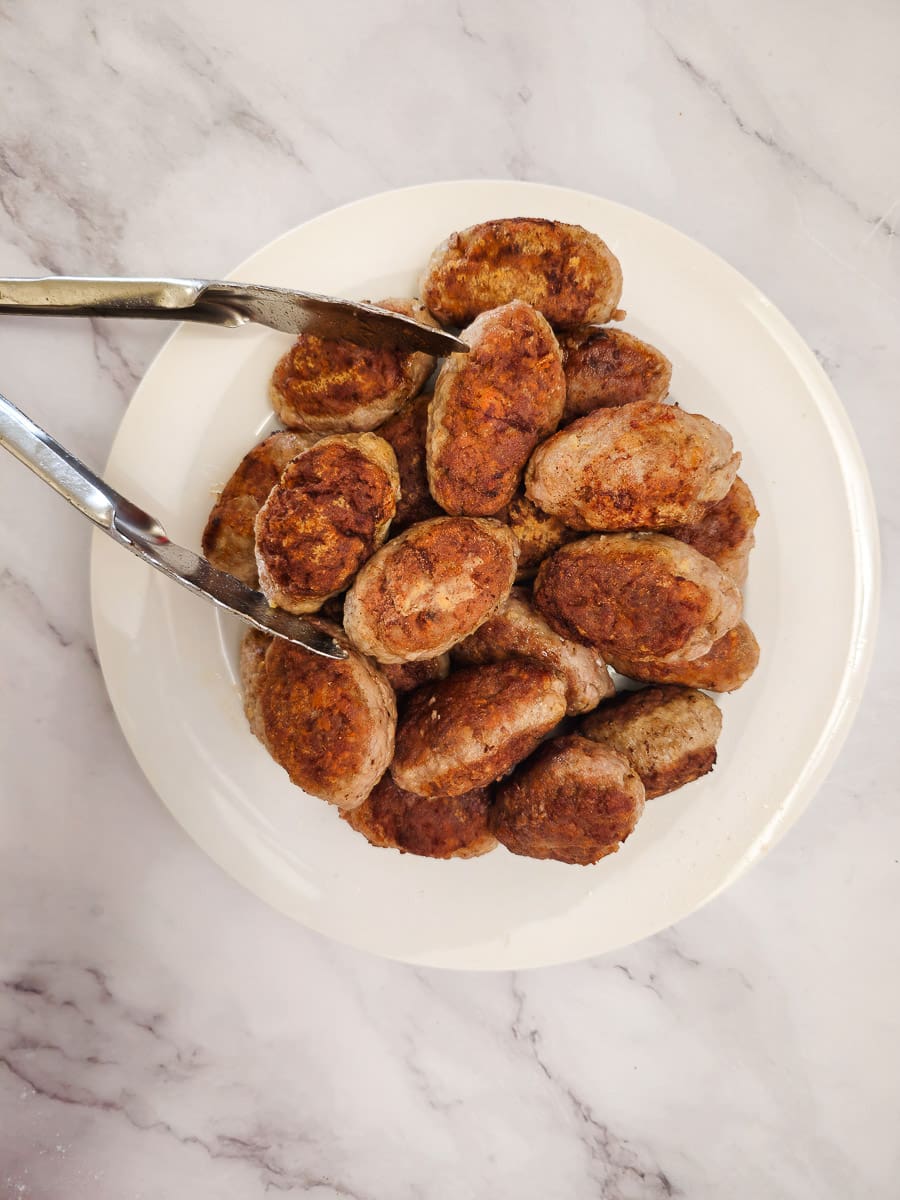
x,y
169,660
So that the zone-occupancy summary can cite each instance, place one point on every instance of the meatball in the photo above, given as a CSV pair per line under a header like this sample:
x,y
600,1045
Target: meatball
x,y
430,587
517,630
470,729
575,801
609,367
642,466
228,539
491,407
338,386
724,668
329,723
330,510
538,533
406,676
405,433
668,734
725,532
563,271
433,827
639,595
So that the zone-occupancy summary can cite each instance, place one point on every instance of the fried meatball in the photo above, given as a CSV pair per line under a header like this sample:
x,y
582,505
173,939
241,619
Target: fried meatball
x,y
640,595
609,367
668,734
470,729
406,676
724,668
405,433
329,511
725,532
538,533
433,827
643,466
517,630
430,587
337,386
491,407
329,723
563,271
575,801
228,539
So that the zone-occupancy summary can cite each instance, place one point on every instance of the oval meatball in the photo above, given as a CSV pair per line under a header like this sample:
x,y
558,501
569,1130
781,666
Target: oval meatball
x,y
491,407
229,539
574,801
430,587
538,534
724,668
433,827
668,734
329,723
475,726
642,466
329,511
725,532
606,368
335,386
640,595
517,630
405,433
407,676
568,274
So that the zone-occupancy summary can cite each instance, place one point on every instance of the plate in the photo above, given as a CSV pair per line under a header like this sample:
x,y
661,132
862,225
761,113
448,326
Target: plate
x,y
170,661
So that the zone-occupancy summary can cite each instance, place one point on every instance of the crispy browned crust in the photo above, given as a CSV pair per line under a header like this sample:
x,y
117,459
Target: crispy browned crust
x,y
336,386
490,409
574,801
472,728
725,668
433,827
637,595
252,663
667,733
406,434
725,533
538,533
406,676
228,539
430,587
568,274
606,368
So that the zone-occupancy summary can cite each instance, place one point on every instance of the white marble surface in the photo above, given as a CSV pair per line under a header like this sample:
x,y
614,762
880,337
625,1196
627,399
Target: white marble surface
x,y
161,1032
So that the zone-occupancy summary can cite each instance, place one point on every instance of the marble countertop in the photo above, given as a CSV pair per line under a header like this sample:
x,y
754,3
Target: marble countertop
x,y
162,1033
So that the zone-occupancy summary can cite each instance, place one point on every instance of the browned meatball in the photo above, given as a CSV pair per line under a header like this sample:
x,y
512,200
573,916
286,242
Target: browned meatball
x,y
668,734
406,676
338,386
641,466
606,368
538,533
330,723
568,274
491,407
331,508
574,801
640,595
724,668
725,533
229,539
430,587
405,433
434,827
475,726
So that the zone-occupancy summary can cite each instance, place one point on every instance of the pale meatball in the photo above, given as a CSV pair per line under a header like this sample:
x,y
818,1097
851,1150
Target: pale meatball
x,y
430,587
538,533
668,734
725,532
491,407
724,668
475,726
563,271
517,630
606,368
640,595
329,511
574,801
432,827
329,723
407,676
337,386
642,466
229,540
405,433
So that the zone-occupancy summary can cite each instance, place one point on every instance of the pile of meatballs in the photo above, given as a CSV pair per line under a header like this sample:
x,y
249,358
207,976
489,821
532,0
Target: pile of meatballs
x,y
485,552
